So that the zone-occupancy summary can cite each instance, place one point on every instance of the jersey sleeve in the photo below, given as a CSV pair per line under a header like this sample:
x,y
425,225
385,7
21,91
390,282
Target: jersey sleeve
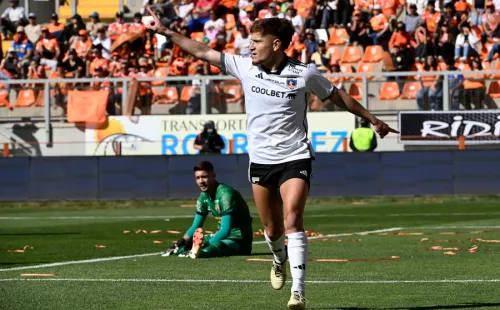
x,y
235,65
226,202
317,84
201,206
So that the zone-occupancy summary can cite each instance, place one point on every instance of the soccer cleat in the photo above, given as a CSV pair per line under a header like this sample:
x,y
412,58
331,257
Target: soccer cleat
x,y
197,243
278,275
297,301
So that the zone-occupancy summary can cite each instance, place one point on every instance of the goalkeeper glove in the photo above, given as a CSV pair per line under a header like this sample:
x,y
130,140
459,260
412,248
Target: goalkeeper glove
x,y
175,248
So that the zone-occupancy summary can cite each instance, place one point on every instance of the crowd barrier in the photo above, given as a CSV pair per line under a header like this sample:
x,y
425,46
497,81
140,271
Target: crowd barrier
x,y
171,177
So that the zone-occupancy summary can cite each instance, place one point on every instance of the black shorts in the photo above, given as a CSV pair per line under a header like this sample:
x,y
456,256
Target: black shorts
x,y
275,175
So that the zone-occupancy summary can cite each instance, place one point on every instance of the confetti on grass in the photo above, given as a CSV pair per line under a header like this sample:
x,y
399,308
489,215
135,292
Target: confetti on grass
x,y
38,275
175,232
157,241
155,231
100,246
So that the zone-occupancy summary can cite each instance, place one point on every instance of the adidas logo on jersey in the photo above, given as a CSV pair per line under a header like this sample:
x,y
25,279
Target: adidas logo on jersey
x,y
260,76
304,172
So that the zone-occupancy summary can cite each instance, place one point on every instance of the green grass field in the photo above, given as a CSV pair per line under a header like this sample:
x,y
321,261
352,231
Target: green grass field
x,y
405,253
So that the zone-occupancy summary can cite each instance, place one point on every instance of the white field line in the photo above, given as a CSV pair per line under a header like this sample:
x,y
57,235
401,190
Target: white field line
x,y
104,259
257,281
450,227
191,216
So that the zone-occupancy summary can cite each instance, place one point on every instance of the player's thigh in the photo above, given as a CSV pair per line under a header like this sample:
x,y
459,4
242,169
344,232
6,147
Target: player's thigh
x,y
226,247
270,207
294,188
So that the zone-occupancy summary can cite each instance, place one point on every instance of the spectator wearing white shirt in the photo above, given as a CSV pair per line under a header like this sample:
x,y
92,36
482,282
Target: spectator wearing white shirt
x,y
12,17
242,42
213,26
466,44
296,20
33,30
273,12
104,41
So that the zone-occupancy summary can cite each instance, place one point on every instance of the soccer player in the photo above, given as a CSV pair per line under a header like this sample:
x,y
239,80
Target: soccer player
x,y
276,91
226,204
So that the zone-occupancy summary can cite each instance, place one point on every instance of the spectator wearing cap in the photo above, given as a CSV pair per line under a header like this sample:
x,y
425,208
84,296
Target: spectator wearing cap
x,y
213,26
104,41
379,26
32,29
12,17
83,45
74,65
274,12
47,48
137,26
56,28
118,27
201,14
93,25
412,19
321,58
24,50
358,34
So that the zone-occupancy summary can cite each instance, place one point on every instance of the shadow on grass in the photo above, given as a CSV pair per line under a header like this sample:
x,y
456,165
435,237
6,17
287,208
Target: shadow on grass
x,y
460,306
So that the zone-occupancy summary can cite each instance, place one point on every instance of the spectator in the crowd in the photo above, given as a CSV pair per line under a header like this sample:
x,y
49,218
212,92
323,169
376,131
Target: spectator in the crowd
x,y
12,17
401,62
24,50
456,85
83,45
209,141
74,65
327,14
93,25
137,26
358,34
432,87
213,26
297,49
296,20
310,42
185,9
9,67
444,43
423,44
273,11
145,93
194,104
60,90
490,20
57,30
363,138
151,45
47,48
311,21
242,42
338,80
32,29
104,42
450,19
201,14
431,17
462,7
379,26
475,86
167,11
97,61
344,11
228,7
401,37
321,58
466,44
118,27
412,19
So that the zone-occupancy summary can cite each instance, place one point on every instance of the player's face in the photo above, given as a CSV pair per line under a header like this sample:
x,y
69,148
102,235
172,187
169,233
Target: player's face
x,y
263,47
205,180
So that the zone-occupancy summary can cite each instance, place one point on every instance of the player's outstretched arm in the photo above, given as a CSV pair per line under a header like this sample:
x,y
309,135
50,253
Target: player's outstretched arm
x,y
195,48
346,102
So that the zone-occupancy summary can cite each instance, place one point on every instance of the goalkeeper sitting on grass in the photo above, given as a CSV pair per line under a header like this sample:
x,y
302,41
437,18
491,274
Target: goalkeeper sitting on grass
x,y
226,204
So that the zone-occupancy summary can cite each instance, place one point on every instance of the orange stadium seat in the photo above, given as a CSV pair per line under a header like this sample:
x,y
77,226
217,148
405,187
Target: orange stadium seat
x,y
346,68
389,91
338,36
166,95
356,90
410,90
497,67
365,68
373,53
334,54
40,99
25,98
186,93
232,93
4,98
351,54
494,90
160,72
486,67
230,22
198,36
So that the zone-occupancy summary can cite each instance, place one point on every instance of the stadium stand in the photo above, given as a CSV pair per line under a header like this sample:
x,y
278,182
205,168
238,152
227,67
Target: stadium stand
x,y
337,37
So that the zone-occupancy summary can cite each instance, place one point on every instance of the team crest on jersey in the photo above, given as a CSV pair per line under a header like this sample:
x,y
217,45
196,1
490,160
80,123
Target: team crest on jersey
x,y
217,207
291,83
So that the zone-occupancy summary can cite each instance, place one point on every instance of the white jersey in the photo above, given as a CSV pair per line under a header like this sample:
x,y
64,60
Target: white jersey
x,y
276,107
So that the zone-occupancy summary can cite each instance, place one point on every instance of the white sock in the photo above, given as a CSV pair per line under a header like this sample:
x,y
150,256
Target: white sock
x,y
297,254
277,247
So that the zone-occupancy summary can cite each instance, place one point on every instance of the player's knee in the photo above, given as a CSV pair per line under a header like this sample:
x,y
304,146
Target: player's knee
x,y
274,232
293,222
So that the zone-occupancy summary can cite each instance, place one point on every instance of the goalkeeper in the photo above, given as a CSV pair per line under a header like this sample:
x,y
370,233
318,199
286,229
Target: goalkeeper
x,y
234,235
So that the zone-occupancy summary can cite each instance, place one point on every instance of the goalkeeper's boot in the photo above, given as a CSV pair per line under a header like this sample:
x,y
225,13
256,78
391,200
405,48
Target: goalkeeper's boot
x,y
278,274
297,301
197,243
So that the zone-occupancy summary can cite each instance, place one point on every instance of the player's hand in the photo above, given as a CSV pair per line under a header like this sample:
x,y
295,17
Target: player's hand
x,y
383,129
156,25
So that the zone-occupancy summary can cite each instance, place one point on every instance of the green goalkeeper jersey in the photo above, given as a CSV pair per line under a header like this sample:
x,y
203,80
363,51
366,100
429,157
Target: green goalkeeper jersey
x,y
228,201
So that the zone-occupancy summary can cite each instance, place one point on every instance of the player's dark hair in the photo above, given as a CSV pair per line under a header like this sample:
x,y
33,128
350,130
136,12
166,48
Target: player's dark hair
x,y
278,27
204,166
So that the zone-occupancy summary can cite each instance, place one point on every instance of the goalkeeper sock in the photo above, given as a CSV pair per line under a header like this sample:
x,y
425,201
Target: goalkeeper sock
x,y
277,247
297,254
